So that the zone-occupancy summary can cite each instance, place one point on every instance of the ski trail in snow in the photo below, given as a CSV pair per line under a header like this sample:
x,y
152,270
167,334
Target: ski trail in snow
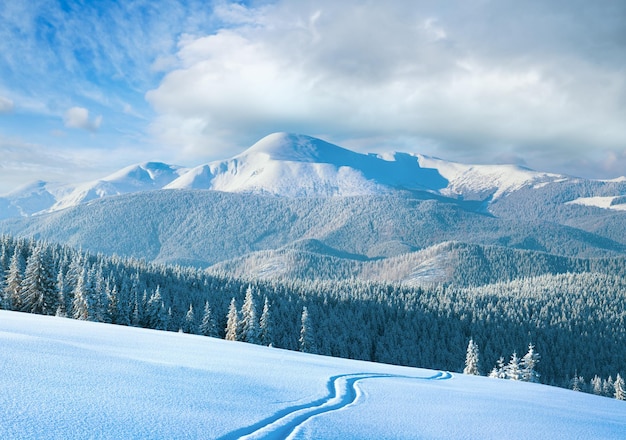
x,y
342,392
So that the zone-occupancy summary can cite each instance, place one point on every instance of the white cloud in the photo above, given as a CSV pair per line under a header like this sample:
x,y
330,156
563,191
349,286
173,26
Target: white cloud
x,y
78,117
447,75
6,105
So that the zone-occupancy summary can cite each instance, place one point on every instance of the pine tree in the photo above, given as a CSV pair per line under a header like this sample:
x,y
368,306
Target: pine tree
x,y
498,370
596,385
208,327
267,326
82,306
189,323
249,325
578,382
512,370
528,364
620,389
13,287
307,341
232,322
471,359
38,290
608,387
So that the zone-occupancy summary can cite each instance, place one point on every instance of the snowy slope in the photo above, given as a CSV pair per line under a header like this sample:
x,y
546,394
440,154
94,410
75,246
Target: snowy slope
x,y
291,165
69,379
135,178
39,197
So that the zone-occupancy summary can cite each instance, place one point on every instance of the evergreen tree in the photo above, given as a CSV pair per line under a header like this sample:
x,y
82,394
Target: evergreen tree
x,y
13,287
307,340
608,387
528,364
471,359
512,370
596,385
232,322
620,389
38,291
249,325
578,382
82,306
189,323
267,326
498,371
208,327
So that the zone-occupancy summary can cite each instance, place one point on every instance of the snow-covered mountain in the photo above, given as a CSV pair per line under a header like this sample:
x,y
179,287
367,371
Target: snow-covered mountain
x,y
74,379
40,197
292,165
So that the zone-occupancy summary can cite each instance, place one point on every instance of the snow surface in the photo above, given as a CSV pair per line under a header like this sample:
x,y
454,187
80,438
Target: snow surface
x,y
600,202
70,379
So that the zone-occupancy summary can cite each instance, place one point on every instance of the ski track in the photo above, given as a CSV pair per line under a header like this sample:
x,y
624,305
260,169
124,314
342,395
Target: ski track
x,y
342,392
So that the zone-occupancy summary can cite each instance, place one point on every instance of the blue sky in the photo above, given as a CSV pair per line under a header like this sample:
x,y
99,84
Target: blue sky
x,y
90,87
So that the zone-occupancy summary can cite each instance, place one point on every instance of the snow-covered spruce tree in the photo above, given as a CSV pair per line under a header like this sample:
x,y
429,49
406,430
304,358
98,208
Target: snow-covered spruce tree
x,y
307,340
207,326
189,323
620,388
498,370
528,364
596,385
249,324
82,306
13,287
232,322
577,382
608,387
512,370
38,291
156,315
267,326
471,359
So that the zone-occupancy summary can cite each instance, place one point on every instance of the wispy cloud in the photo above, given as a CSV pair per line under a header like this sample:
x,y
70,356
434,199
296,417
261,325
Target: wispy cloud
x,y
6,105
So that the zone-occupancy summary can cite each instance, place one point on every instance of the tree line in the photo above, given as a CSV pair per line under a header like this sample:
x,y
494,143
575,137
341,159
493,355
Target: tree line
x,y
577,321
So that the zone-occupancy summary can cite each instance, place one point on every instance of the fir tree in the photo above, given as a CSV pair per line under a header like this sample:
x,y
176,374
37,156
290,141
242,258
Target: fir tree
x,y
267,326
232,322
13,287
249,324
307,341
471,359
528,364
620,389
208,327
512,370
38,291
498,370
189,323
82,306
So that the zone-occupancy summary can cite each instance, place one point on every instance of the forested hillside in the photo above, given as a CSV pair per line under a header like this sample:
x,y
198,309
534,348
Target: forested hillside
x,y
201,228
577,322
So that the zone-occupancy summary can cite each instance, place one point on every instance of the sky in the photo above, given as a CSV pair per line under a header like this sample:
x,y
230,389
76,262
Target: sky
x,y
89,87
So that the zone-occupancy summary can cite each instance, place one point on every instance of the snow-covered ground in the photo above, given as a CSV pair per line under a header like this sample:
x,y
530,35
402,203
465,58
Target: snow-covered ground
x,y
65,379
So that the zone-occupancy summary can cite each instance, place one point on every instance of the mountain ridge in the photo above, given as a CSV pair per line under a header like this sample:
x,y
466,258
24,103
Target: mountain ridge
x,y
292,165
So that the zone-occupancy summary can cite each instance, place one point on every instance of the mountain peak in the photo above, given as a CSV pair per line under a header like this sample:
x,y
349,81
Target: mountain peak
x,y
293,147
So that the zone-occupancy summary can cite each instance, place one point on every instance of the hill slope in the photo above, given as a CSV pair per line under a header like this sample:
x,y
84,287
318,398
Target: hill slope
x,y
123,382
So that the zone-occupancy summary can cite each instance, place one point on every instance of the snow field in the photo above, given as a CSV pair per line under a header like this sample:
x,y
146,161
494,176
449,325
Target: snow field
x,y
71,379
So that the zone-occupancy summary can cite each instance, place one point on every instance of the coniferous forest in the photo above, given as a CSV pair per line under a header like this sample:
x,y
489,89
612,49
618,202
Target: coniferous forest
x,y
576,322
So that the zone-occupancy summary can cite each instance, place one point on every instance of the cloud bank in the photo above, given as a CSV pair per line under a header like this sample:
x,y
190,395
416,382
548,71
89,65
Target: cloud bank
x,y
472,80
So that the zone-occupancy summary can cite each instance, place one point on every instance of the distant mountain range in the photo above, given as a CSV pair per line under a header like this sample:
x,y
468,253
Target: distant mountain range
x,y
290,165
292,200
